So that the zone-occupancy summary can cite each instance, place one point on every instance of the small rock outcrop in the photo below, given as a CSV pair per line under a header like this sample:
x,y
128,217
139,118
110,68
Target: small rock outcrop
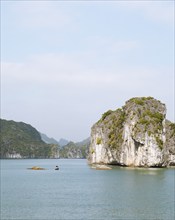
x,y
36,168
138,134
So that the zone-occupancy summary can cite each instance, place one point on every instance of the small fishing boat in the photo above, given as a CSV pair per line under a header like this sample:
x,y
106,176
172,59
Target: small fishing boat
x,y
56,168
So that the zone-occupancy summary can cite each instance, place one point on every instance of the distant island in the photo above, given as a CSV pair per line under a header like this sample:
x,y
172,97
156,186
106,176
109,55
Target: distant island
x,y
138,134
21,140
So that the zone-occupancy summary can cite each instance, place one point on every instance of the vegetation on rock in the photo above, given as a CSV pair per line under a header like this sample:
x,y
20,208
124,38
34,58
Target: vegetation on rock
x,y
74,150
139,125
98,141
18,138
21,140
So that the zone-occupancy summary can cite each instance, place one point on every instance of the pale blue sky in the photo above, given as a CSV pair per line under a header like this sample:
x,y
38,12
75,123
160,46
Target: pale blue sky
x,y
66,62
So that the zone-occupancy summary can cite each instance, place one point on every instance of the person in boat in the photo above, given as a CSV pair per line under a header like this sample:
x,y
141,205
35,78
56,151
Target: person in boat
x,y
56,168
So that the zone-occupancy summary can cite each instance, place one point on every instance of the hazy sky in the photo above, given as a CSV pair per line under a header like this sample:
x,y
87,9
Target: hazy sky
x,y
64,63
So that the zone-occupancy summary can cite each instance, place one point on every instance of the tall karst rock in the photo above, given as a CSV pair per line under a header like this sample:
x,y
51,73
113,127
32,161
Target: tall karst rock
x,y
138,134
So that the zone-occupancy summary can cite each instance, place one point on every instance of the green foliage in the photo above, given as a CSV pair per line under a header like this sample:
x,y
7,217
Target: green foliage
x,y
143,121
23,139
172,126
98,141
92,151
172,130
74,150
158,117
149,133
111,135
115,133
140,100
106,114
159,142
155,119
112,144
137,101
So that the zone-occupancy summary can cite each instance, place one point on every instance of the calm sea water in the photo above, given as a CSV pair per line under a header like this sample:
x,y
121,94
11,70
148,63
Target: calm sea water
x,y
78,192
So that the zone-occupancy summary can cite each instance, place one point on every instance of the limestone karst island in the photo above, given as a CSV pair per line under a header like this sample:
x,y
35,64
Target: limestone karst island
x,y
138,135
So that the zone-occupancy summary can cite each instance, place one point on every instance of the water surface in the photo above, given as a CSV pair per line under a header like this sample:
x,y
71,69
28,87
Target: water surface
x,y
78,192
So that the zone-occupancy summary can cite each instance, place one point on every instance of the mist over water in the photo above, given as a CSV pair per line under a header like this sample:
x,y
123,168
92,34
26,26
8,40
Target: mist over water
x,y
78,192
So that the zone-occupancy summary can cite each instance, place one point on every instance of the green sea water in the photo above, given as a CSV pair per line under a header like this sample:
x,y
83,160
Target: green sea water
x,y
78,192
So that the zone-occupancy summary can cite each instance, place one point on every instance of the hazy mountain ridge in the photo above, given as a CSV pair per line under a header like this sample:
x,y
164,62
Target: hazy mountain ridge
x,y
21,140
48,140
62,142
75,150
69,149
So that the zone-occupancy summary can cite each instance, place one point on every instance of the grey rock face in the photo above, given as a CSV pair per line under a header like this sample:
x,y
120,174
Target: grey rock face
x,y
136,135
169,149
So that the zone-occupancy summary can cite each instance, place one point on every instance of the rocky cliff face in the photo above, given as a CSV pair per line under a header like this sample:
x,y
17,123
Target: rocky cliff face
x,y
169,149
136,135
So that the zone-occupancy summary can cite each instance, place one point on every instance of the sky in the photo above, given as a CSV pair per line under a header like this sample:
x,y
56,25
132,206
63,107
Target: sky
x,y
65,63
